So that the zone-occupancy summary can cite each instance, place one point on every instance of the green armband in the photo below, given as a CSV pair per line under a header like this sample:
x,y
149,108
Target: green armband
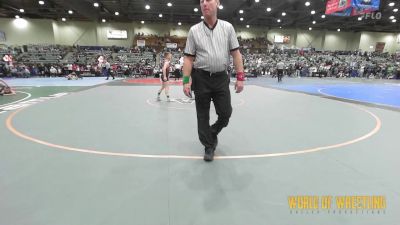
x,y
186,79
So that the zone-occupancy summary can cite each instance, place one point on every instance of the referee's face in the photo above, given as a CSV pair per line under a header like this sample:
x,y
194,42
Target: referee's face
x,y
209,7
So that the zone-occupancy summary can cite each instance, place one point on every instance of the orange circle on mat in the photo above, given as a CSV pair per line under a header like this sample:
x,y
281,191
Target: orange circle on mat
x,y
378,124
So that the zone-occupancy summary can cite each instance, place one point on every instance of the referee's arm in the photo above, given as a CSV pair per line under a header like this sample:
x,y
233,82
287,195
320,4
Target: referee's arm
x,y
190,54
237,60
187,65
238,63
187,70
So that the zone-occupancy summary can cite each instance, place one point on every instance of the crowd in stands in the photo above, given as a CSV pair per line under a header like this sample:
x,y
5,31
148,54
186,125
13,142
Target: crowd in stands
x,y
259,55
254,43
49,61
324,64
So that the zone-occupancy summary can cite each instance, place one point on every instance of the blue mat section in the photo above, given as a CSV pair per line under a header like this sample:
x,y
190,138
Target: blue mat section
x,y
56,81
385,94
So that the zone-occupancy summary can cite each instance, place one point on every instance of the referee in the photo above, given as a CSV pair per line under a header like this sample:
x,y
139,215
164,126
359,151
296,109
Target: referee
x,y
208,46
280,66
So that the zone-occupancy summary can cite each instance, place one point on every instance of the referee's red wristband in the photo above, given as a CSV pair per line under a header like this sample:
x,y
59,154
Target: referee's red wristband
x,y
240,76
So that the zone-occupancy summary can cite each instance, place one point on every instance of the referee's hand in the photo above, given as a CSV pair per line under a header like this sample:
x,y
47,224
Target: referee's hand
x,y
239,86
187,91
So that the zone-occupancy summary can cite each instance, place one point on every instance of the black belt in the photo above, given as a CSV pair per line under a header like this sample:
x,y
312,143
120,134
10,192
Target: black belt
x,y
210,73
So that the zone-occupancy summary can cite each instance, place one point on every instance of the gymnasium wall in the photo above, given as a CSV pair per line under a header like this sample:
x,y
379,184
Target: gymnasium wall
x,y
370,38
74,33
341,40
43,31
310,39
34,32
353,42
102,39
252,32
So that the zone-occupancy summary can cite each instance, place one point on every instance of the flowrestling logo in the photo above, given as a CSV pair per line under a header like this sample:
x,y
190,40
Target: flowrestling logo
x,y
372,16
27,103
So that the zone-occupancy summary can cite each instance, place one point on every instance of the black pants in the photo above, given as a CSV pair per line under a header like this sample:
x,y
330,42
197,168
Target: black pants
x,y
211,87
280,75
177,74
108,73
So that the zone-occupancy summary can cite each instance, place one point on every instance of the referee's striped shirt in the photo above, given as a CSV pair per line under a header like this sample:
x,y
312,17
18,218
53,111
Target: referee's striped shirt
x,y
211,46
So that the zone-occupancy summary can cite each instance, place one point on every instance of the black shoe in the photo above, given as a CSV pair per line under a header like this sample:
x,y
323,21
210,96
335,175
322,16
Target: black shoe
x,y
209,154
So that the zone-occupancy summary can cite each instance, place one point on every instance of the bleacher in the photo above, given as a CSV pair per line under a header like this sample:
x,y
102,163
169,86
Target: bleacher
x,y
6,50
88,55
159,43
254,43
45,54
133,58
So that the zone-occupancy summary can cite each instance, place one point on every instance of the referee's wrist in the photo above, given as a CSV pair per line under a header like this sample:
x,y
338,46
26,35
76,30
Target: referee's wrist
x,y
186,79
240,76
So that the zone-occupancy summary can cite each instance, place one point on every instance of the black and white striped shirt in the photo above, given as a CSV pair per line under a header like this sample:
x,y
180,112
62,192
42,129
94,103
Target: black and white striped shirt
x,y
211,46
